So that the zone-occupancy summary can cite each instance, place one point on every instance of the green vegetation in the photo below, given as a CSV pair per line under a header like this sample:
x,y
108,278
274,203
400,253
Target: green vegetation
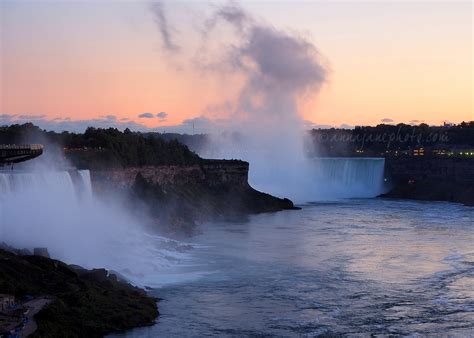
x,y
104,148
87,303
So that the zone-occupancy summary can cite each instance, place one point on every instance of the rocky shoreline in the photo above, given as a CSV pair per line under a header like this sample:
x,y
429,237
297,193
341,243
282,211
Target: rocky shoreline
x,y
85,303
427,190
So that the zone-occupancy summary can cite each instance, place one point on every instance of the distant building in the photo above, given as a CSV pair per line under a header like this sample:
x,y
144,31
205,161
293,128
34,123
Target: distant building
x,y
6,301
419,152
441,152
41,252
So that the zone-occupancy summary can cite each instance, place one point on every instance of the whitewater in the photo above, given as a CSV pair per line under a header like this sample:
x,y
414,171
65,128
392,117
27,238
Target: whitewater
x,y
59,211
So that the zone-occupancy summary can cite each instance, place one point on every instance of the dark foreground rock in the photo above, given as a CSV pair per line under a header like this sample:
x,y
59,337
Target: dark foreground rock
x,y
87,303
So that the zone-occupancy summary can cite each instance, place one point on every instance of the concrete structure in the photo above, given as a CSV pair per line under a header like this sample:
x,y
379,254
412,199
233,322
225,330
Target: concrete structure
x,y
451,169
431,179
11,153
41,252
6,301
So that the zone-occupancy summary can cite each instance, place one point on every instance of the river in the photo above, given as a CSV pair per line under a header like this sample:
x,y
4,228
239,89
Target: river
x,y
355,266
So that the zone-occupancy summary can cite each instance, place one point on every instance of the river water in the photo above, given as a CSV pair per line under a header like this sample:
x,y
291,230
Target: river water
x,y
357,267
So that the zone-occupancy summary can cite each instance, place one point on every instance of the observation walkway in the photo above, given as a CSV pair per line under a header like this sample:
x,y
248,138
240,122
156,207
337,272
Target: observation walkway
x,y
14,153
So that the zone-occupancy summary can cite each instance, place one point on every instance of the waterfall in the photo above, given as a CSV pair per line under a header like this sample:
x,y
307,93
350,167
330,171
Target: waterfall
x,y
58,210
36,184
349,177
323,179
86,181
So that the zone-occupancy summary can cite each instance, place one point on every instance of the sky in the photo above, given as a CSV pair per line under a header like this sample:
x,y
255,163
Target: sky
x,y
71,64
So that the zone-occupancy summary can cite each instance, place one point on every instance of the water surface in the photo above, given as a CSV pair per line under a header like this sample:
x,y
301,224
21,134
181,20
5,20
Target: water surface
x,y
353,267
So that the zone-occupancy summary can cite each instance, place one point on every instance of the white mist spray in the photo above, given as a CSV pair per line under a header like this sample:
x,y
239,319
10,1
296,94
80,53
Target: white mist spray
x,y
261,124
57,210
278,70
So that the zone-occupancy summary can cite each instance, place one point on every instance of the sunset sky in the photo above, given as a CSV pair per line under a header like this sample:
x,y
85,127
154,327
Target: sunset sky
x,y
68,64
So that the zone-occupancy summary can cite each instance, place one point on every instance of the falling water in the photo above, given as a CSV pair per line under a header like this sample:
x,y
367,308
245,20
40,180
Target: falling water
x,y
320,179
58,210
36,184
348,177
86,181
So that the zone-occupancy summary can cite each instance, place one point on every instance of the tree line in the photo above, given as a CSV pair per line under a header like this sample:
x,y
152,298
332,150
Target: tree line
x,y
100,148
385,137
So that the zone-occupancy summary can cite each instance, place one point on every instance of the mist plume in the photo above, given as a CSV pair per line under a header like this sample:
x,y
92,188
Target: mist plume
x,y
264,127
276,71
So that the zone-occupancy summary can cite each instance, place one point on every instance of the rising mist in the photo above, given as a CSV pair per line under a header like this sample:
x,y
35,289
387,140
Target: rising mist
x,y
263,125
57,209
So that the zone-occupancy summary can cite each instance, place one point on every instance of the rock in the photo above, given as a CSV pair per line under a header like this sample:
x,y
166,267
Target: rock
x,y
77,268
81,307
24,252
21,252
180,197
118,276
96,275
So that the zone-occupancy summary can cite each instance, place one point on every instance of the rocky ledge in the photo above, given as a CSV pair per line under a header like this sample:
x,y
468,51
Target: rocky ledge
x,y
213,189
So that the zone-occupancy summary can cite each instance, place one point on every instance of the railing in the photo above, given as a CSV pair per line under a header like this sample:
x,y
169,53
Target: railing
x,y
15,153
21,147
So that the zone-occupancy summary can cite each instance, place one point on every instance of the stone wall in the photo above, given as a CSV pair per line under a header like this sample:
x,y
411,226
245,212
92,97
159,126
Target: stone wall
x,y
431,179
430,168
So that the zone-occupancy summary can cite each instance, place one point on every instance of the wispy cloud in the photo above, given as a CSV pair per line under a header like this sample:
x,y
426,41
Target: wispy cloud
x,y
278,66
231,13
162,115
67,124
199,124
32,117
159,15
146,116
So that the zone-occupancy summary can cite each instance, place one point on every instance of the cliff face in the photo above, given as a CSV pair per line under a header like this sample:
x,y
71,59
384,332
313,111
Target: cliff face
x,y
212,174
432,179
180,196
